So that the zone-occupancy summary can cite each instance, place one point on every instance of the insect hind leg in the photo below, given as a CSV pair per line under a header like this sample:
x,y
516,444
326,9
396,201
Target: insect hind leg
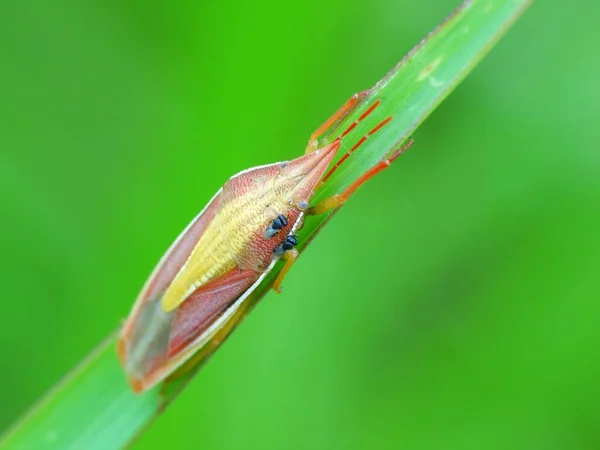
x,y
338,200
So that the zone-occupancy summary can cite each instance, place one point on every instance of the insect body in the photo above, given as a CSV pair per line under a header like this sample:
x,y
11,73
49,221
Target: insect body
x,y
222,256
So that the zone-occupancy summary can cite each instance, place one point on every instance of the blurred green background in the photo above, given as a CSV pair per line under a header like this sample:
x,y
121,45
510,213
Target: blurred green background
x,y
453,303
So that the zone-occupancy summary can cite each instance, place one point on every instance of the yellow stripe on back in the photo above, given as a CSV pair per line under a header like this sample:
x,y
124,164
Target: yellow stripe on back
x,y
220,248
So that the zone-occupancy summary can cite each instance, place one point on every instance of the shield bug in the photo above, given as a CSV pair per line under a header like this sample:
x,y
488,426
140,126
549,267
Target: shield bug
x,y
225,253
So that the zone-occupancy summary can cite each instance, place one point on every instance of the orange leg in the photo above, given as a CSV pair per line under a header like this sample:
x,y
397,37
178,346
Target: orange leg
x,y
339,114
338,200
290,258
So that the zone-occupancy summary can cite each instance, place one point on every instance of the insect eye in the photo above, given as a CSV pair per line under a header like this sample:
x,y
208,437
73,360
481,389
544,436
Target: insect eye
x,y
278,223
302,205
289,243
283,219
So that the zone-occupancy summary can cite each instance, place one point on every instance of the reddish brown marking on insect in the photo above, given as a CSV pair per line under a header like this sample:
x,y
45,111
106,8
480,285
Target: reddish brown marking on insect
x,y
380,126
370,110
203,307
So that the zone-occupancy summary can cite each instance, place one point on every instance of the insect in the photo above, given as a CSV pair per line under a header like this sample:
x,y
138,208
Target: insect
x,y
227,250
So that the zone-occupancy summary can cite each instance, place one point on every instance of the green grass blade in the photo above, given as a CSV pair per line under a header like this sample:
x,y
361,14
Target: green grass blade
x,y
91,408
94,407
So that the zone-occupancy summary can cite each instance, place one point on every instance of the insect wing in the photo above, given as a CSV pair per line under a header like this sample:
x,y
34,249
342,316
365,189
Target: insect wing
x,y
222,251
201,312
144,343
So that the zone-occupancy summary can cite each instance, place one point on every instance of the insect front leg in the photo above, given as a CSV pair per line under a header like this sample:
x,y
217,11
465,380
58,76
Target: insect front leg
x,y
337,116
290,258
289,254
338,200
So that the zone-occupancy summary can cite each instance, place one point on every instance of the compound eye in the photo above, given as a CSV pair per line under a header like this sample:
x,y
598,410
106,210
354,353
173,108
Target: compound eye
x,y
290,242
278,223
302,205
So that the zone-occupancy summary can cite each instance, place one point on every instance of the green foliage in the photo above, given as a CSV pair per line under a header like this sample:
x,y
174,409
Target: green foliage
x,y
434,264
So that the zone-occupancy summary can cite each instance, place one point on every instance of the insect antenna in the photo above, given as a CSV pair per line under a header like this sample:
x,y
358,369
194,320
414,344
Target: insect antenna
x,y
361,141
